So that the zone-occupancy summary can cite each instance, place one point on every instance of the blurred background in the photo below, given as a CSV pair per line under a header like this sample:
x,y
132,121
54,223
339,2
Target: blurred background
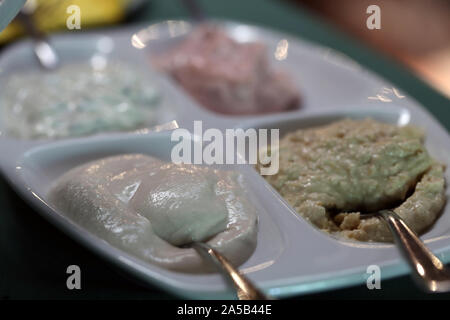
x,y
415,32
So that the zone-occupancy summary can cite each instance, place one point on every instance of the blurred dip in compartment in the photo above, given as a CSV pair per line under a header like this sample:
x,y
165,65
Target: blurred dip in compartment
x,y
80,99
226,76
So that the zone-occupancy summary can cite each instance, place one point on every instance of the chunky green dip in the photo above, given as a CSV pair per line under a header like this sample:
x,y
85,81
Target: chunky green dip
x,y
330,174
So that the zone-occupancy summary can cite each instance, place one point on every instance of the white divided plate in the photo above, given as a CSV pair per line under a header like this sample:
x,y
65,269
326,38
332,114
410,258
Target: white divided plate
x,y
291,257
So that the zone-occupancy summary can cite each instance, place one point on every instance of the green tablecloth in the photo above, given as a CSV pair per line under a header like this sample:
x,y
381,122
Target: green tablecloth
x,y
34,255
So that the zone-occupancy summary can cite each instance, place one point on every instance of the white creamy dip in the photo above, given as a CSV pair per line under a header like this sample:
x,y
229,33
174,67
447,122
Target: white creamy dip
x,y
151,208
79,99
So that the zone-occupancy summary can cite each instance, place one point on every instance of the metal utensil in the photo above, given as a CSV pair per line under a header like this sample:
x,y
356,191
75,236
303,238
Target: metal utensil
x,y
428,271
44,52
245,289
195,10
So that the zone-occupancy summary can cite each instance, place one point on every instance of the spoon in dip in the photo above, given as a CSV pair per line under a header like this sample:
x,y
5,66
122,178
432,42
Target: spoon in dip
x,y
195,10
428,271
245,289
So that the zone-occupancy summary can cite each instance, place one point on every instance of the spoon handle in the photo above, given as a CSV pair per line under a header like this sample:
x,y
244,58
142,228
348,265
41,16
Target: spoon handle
x,y
428,271
244,288
195,10
44,52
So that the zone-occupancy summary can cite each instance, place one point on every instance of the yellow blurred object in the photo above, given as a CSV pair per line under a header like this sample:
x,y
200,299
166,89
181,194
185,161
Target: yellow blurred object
x,y
51,15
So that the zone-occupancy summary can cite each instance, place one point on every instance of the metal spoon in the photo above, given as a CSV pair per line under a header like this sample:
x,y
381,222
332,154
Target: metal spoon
x,y
428,271
195,10
44,52
245,289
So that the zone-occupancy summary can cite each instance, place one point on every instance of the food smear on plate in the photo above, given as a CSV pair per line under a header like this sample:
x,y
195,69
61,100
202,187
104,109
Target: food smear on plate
x,y
333,173
154,209
80,99
227,76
